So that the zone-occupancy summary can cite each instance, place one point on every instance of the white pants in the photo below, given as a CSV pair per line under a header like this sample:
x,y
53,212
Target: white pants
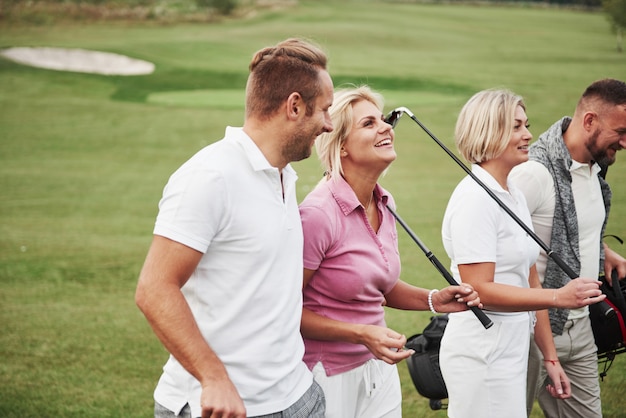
x,y
371,390
485,369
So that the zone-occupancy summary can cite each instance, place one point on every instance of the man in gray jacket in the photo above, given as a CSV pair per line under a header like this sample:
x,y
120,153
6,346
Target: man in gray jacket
x,y
569,201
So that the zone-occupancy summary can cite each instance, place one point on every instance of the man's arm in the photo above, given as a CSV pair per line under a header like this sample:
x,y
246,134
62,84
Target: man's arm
x,y
167,268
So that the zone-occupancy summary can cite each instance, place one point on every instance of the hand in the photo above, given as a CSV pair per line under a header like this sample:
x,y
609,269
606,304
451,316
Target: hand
x,y
560,387
613,261
220,399
578,293
386,344
456,299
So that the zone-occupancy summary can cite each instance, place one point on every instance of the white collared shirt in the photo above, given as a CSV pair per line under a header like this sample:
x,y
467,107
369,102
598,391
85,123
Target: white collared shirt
x,y
477,230
246,293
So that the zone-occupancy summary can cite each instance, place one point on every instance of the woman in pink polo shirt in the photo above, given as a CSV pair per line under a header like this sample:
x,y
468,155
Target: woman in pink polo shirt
x,y
352,266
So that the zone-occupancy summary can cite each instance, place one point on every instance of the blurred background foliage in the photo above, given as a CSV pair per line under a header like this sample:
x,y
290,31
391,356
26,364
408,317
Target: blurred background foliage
x,y
48,11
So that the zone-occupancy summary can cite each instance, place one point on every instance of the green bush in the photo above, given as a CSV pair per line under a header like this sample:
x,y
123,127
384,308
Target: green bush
x,y
224,7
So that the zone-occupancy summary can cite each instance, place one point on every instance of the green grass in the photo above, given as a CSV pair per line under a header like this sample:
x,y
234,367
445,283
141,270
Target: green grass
x,y
84,158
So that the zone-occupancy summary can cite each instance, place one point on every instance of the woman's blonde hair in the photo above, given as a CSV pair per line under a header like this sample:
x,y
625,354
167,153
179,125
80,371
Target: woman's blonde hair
x,y
485,124
328,145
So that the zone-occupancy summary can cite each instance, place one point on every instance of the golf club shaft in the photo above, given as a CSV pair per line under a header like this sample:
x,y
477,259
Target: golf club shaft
x,y
557,259
607,309
484,319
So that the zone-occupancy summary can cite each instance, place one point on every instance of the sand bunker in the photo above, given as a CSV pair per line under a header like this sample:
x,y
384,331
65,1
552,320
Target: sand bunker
x,y
78,60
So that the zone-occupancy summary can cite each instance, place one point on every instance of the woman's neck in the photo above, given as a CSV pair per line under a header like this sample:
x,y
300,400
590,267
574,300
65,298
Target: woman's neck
x,y
363,187
498,171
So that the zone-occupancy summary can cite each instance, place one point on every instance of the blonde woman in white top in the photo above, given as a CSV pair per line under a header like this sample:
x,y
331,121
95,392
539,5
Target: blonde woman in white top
x,y
485,369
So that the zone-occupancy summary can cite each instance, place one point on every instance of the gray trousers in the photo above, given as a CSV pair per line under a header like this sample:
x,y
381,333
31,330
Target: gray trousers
x,y
310,405
577,352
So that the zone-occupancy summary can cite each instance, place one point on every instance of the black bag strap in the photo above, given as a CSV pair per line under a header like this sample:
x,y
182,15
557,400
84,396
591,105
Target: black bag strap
x,y
617,286
435,328
619,300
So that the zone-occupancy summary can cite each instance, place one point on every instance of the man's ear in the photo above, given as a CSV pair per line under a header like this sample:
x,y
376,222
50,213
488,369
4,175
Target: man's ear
x,y
590,120
295,106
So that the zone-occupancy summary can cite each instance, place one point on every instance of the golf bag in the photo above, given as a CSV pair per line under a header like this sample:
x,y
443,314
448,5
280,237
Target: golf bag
x,y
609,329
424,363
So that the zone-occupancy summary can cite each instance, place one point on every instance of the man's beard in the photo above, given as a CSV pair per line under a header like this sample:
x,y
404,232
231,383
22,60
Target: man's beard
x,y
600,156
298,147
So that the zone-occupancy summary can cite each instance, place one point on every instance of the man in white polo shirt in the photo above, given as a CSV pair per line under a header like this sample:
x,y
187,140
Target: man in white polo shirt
x,y
222,282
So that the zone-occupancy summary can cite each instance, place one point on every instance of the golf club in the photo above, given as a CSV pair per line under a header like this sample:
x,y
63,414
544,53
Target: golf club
x,y
484,319
394,116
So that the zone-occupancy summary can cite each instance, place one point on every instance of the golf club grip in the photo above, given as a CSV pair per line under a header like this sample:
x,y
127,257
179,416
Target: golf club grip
x,y
482,317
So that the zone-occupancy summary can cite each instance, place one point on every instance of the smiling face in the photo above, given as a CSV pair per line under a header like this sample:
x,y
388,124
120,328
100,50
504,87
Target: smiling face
x,y
516,151
369,143
609,136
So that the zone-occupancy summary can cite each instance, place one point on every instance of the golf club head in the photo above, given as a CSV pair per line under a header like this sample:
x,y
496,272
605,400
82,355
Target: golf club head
x,y
394,116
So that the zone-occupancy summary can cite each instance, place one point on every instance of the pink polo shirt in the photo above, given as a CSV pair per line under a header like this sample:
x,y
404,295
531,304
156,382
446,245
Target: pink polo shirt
x,y
355,267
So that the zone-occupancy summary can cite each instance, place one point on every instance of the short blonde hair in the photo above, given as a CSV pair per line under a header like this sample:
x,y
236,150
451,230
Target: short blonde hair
x,y
485,124
328,145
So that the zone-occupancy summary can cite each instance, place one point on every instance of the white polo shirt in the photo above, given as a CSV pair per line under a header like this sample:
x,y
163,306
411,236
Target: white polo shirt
x,y
246,293
477,230
535,181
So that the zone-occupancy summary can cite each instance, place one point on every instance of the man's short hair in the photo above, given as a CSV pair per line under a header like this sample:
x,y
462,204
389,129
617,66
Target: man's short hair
x,y
290,66
608,91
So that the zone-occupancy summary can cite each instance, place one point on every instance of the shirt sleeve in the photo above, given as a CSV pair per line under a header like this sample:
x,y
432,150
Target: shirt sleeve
x,y
192,208
534,180
317,230
473,227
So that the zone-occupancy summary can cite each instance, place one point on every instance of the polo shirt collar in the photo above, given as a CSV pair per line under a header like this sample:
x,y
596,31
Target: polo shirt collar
x,y
484,176
595,168
346,198
253,153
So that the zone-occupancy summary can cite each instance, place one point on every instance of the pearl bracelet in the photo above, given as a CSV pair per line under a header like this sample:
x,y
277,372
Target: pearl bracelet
x,y
430,300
